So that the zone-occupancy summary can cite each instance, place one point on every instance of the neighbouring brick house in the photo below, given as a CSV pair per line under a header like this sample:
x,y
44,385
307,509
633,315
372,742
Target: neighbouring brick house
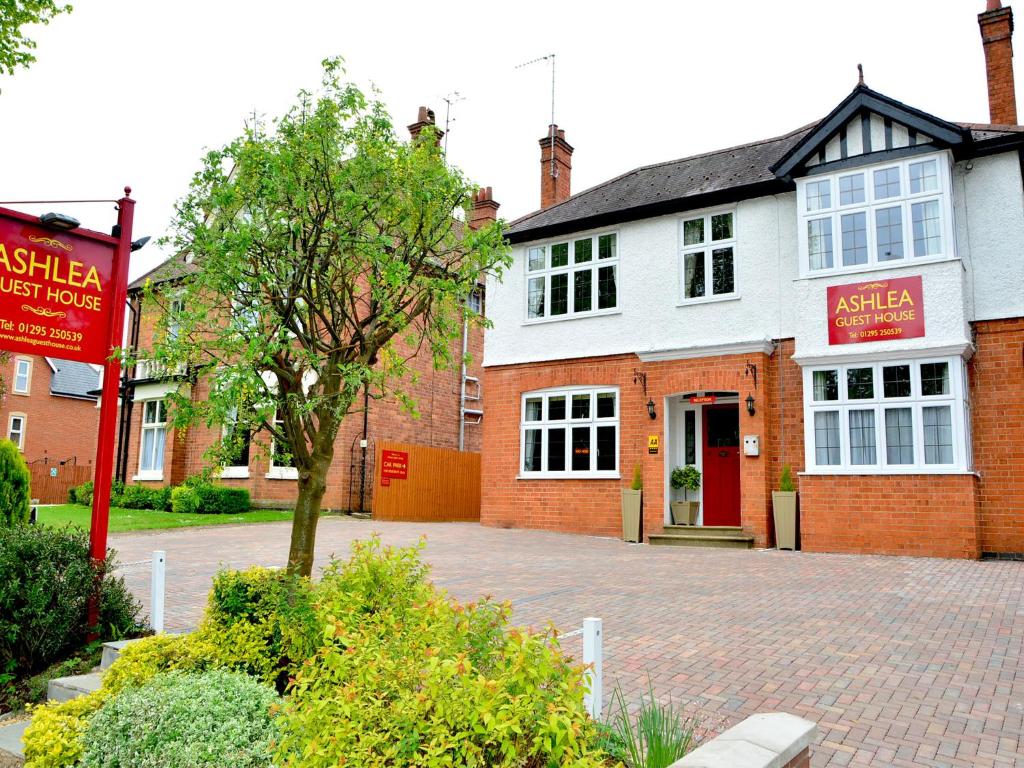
x,y
847,299
48,411
150,452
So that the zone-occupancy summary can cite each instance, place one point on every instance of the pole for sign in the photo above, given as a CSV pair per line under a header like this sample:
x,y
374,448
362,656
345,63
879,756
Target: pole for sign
x,y
111,385
156,591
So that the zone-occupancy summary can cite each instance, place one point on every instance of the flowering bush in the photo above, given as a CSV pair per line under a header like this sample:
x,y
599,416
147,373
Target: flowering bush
x,y
217,719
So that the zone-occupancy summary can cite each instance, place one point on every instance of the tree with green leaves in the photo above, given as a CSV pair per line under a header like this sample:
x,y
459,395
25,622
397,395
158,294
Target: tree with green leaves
x,y
15,48
327,253
15,482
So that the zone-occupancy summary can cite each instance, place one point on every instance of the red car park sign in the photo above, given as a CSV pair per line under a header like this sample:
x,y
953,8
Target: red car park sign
x,y
394,465
62,294
880,310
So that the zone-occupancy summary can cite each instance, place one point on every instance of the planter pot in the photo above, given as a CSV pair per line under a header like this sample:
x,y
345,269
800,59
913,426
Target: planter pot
x,y
631,503
685,512
784,512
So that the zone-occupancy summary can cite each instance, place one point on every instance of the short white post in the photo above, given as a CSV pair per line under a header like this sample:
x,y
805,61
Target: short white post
x,y
593,656
156,594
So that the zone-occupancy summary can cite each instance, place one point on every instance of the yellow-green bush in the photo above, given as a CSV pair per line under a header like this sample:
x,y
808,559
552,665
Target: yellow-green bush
x,y
54,738
407,677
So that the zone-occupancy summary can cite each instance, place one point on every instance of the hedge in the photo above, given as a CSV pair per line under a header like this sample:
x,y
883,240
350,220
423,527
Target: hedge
x,y
191,498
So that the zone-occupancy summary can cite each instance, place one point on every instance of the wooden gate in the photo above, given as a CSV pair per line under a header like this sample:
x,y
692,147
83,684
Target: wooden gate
x,y
419,484
50,488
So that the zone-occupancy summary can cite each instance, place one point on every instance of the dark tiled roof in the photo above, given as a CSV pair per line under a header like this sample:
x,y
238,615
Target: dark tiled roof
x,y
688,183
72,379
173,269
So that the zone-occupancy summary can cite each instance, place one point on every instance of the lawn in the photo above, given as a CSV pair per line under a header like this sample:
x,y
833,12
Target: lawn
x,y
145,519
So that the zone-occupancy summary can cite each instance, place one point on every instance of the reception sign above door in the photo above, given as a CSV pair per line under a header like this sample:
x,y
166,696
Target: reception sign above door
x,y
880,310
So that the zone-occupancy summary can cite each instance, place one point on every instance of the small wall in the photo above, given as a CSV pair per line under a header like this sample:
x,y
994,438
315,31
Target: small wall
x,y
771,740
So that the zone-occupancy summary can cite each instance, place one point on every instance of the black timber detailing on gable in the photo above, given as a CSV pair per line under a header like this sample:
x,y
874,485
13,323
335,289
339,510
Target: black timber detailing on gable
x,y
862,101
854,161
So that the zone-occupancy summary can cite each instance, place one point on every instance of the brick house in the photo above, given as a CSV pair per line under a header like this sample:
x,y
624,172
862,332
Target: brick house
x,y
48,411
845,299
150,452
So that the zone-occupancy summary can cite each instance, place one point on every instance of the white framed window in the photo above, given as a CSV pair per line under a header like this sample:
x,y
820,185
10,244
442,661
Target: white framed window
x,y
154,433
282,463
570,433
707,261
16,429
22,376
572,278
888,417
174,313
239,466
877,216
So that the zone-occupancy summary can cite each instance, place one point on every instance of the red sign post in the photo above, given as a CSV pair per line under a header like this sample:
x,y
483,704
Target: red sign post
x,y
876,311
63,294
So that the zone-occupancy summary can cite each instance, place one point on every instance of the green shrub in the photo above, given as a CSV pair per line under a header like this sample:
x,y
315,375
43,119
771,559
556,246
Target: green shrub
x,y
407,677
46,579
54,737
15,493
220,500
687,477
638,479
184,500
142,497
659,734
786,479
181,720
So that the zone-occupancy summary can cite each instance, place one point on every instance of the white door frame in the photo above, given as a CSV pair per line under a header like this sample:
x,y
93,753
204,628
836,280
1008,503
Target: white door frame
x,y
674,409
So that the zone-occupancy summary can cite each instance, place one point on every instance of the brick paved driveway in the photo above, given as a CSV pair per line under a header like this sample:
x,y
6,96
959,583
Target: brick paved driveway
x,y
901,661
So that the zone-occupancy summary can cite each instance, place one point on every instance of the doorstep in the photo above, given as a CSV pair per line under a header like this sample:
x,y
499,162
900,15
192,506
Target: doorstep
x,y
721,536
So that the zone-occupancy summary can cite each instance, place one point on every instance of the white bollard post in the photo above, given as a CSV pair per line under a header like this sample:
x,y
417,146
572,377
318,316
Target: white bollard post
x,y
156,594
593,655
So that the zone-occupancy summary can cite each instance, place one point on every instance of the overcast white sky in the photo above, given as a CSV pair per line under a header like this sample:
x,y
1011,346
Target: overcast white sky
x,y
130,92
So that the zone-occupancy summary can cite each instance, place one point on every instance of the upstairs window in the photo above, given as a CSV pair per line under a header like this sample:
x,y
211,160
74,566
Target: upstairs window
x,y
708,259
873,216
22,375
888,417
570,433
16,430
572,278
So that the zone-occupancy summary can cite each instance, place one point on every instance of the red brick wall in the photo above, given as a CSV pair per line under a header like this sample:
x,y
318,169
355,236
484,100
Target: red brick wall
x,y
593,506
923,515
996,31
57,428
997,414
437,397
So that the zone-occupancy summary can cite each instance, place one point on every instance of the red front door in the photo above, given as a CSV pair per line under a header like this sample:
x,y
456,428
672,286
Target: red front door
x,y
721,481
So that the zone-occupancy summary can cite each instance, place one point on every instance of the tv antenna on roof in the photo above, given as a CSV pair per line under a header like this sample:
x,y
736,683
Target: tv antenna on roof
x,y
550,57
452,98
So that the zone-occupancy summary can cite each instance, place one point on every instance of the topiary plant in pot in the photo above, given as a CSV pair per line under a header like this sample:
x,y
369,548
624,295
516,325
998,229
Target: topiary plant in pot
x,y
686,479
784,511
632,502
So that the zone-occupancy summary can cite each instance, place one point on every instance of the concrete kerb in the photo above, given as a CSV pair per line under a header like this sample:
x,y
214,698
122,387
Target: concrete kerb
x,y
769,740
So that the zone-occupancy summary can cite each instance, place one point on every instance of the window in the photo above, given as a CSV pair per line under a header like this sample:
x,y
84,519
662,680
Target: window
x,y
570,433
22,375
892,416
282,463
707,264
175,312
154,430
16,430
240,442
572,278
881,214
475,300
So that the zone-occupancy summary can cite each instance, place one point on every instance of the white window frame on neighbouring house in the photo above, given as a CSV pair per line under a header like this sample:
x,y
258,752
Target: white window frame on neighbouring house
x,y
561,265
22,376
240,468
915,421
153,431
699,250
17,435
548,412
277,471
863,214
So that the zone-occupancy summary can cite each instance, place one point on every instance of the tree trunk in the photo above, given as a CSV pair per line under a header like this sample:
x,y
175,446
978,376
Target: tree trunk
x,y
312,487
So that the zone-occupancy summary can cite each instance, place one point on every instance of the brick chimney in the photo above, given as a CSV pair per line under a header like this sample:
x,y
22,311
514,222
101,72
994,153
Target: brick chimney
x,y
555,177
423,119
997,37
485,209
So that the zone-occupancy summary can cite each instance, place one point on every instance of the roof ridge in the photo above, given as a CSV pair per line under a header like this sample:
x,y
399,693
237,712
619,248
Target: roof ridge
x,y
638,169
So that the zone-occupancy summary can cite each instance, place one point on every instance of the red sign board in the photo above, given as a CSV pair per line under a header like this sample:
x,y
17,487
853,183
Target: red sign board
x,y
56,290
702,400
880,310
394,465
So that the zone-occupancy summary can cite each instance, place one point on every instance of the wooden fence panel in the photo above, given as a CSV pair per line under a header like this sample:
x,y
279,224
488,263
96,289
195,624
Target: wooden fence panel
x,y
439,484
50,489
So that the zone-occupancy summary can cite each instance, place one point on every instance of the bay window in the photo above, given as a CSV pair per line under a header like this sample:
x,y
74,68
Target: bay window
x,y
570,433
576,277
887,417
707,260
873,216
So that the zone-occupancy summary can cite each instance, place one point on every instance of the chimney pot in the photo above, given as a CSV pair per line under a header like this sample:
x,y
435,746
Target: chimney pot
x,y
485,210
996,24
424,117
